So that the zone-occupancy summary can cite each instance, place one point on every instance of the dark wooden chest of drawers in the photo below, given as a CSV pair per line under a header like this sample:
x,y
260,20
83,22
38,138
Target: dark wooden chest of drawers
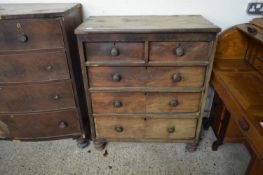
x,y
38,72
146,77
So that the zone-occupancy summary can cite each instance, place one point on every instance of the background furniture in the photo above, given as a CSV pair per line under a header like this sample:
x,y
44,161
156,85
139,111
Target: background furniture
x,y
237,112
38,72
146,77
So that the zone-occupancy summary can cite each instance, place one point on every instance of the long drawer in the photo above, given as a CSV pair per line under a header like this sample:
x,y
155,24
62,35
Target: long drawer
x,y
192,77
112,127
149,102
36,97
31,126
26,34
33,67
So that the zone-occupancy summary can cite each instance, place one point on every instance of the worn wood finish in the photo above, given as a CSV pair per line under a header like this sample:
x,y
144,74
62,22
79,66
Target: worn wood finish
x,y
189,77
50,35
42,125
145,102
163,102
166,51
237,78
37,54
144,128
159,86
125,51
36,97
36,10
128,76
130,102
141,24
33,67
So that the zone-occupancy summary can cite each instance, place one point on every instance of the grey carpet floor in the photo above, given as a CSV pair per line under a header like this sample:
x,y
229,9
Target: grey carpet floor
x,y
64,157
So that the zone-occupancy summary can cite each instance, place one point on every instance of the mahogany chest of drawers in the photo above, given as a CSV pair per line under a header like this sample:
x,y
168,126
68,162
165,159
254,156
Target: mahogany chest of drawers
x,y
146,77
38,56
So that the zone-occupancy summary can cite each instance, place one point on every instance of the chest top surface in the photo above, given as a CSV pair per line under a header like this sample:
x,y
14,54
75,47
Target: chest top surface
x,y
146,24
31,10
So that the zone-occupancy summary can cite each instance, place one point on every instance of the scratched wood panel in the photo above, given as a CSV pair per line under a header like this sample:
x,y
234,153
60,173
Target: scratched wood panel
x,y
110,127
33,67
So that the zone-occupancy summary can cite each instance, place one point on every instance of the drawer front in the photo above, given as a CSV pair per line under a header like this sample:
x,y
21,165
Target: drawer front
x,y
117,76
179,51
118,51
192,77
51,124
33,67
36,97
149,102
111,127
118,102
30,34
188,77
172,102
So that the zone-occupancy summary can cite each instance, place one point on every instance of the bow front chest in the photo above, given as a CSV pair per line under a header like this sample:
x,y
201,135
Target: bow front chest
x,y
146,77
38,84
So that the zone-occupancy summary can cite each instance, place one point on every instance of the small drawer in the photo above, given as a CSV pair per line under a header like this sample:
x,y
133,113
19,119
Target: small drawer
x,y
184,77
188,77
120,102
179,51
172,102
42,125
36,97
111,127
33,67
30,34
117,76
114,51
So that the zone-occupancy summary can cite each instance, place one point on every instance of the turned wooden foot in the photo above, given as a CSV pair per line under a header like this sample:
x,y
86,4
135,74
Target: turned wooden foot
x,y
99,144
82,143
191,147
216,144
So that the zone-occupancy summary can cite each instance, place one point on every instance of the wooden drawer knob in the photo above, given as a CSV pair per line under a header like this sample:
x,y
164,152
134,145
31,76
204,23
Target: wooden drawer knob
x,y
49,68
179,51
243,124
252,30
62,125
56,97
116,77
117,103
119,129
173,103
177,77
171,129
114,52
23,38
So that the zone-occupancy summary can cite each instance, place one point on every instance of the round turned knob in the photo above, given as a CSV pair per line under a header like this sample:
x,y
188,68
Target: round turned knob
x,y
117,104
173,102
49,68
252,30
179,51
116,77
56,97
23,38
171,129
177,77
62,124
119,129
114,52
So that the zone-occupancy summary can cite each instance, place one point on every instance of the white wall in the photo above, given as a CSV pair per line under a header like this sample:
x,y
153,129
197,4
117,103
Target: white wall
x,y
224,13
